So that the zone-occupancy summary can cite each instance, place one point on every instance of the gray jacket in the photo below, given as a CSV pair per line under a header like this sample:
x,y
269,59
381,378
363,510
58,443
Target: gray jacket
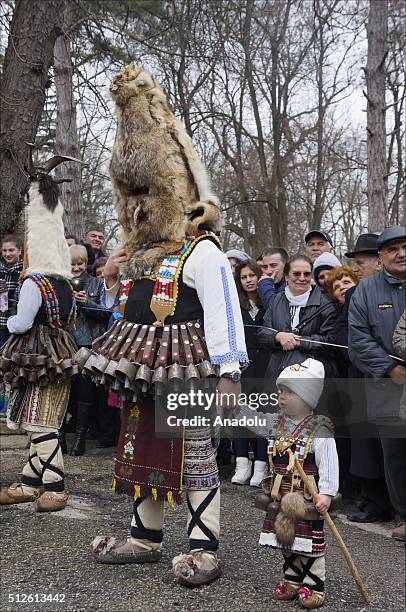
x,y
375,309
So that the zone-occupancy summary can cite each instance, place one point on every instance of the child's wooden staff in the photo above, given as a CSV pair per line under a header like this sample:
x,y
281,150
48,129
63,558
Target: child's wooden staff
x,y
335,532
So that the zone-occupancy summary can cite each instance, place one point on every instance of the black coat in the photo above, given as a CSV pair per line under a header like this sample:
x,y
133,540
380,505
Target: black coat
x,y
97,319
258,355
322,313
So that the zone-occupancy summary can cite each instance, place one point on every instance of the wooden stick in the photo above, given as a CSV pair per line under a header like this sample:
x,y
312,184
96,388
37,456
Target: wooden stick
x,y
335,532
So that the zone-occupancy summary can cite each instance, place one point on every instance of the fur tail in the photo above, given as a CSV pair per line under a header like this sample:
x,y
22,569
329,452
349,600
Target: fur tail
x,y
293,508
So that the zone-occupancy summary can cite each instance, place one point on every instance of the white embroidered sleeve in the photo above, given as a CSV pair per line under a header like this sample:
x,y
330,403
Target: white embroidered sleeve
x,y
327,462
208,271
29,302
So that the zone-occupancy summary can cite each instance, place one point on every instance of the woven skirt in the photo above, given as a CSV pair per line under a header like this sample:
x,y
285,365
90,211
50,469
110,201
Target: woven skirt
x,y
33,406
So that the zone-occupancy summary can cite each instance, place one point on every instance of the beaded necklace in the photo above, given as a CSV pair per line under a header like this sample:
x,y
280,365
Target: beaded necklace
x,y
51,301
166,286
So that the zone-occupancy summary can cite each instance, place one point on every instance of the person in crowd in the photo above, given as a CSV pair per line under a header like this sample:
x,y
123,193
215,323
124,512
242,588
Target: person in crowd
x,y
322,266
298,314
90,401
95,237
235,257
224,451
293,524
99,266
317,242
272,281
375,309
399,348
366,458
10,269
71,239
247,275
365,256
338,282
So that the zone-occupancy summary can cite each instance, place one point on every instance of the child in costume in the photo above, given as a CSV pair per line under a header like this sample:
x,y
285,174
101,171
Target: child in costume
x,y
293,523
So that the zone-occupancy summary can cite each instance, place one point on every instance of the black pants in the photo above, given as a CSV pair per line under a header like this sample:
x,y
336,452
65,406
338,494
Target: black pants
x,y
242,445
394,456
105,419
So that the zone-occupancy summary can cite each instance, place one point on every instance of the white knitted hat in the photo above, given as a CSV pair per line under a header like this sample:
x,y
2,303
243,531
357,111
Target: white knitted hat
x,y
305,379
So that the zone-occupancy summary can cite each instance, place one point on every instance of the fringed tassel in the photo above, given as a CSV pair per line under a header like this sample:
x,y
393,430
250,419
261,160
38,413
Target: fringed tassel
x,y
137,491
169,497
154,493
113,485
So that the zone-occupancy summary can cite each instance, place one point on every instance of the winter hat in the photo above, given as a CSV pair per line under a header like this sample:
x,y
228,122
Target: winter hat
x,y
238,255
325,261
305,379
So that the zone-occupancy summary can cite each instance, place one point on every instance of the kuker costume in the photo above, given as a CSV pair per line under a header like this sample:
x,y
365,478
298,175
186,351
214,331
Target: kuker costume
x,y
38,360
181,321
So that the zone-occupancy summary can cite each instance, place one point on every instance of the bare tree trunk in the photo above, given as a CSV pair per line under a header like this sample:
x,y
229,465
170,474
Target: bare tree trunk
x,y
377,30
67,140
34,29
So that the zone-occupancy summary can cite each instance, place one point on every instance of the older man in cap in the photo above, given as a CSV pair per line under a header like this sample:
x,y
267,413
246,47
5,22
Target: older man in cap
x,y
317,242
375,309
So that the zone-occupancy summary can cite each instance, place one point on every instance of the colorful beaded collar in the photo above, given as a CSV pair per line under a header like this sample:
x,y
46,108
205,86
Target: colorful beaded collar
x,y
166,287
51,302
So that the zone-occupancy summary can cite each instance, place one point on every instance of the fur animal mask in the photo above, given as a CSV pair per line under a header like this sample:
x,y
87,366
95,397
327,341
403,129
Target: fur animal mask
x,y
161,189
47,251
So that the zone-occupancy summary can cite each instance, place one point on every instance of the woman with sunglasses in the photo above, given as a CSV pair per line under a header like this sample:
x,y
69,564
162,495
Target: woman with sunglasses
x,y
299,314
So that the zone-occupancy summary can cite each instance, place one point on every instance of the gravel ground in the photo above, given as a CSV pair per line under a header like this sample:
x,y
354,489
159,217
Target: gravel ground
x,y
49,554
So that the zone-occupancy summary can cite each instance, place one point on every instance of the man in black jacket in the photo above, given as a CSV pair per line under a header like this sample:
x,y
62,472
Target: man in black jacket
x,y
375,309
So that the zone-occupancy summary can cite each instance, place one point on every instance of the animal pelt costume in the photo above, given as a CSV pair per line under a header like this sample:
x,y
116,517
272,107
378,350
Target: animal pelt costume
x,y
161,189
181,323
38,360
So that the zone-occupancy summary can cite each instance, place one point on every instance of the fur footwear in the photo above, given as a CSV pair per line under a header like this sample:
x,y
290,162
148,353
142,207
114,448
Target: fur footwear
x,y
106,549
284,591
15,494
243,470
196,567
310,599
260,472
50,501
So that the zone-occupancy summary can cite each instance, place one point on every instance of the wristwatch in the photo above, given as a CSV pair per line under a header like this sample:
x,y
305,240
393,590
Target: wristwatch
x,y
234,376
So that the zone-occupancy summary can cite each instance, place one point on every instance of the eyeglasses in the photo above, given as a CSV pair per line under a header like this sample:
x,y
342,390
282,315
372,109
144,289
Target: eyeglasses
x,y
299,274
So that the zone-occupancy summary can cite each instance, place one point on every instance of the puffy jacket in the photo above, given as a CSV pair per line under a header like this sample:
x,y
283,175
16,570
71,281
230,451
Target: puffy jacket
x,y
375,309
318,318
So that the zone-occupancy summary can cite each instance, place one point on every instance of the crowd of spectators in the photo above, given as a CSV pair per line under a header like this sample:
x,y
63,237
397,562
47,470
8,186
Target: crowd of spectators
x,y
351,317
310,304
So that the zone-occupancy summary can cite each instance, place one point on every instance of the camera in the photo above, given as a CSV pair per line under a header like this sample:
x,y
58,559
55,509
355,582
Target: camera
x,y
77,284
